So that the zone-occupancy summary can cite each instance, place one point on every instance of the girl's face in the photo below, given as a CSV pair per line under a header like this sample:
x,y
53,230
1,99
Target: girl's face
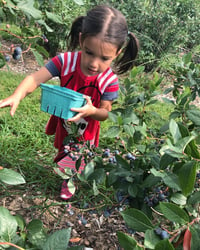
x,y
96,56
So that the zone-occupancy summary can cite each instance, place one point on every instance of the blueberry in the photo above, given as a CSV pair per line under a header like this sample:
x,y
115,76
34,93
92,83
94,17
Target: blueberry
x,y
114,160
7,58
131,157
90,154
164,235
119,196
106,213
158,231
111,160
116,152
106,154
66,151
17,51
83,221
161,197
16,57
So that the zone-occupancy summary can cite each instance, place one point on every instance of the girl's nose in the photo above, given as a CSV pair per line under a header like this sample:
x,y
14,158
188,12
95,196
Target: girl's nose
x,y
94,63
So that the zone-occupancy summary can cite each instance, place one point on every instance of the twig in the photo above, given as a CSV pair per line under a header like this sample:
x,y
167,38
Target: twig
x,y
11,244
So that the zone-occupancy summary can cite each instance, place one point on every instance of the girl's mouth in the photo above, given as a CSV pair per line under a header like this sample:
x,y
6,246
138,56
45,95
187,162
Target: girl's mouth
x,y
92,71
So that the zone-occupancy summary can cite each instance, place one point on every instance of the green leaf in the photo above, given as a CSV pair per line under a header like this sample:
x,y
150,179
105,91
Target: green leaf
x,y
133,190
126,241
36,233
58,240
78,163
112,116
38,57
79,2
195,240
166,160
150,181
174,213
121,162
20,221
53,17
177,150
169,179
129,129
71,186
8,225
179,199
88,170
11,177
42,22
112,132
27,6
98,175
130,117
136,220
151,239
164,245
194,116
194,198
95,188
174,129
111,178
187,177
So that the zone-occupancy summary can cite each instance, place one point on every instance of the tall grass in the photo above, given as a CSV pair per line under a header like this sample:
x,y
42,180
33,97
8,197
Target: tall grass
x,y
24,146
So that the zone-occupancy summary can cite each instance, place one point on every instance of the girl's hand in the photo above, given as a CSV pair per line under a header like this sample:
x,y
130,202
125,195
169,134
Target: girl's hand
x,y
11,101
87,110
99,114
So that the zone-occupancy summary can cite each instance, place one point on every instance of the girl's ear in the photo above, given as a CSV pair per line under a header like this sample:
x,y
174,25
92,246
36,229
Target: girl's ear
x,y
118,52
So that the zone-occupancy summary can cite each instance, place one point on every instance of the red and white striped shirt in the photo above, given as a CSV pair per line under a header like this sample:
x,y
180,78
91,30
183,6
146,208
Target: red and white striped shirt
x,y
103,86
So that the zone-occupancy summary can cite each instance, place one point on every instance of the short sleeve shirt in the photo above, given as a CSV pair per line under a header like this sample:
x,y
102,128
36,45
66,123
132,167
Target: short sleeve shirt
x,y
103,86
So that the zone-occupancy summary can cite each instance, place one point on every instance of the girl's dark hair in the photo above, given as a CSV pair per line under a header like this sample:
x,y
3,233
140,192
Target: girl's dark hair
x,y
109,25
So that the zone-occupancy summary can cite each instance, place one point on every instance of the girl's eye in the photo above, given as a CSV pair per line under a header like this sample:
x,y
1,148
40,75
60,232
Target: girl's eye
x,y
105,58
88,52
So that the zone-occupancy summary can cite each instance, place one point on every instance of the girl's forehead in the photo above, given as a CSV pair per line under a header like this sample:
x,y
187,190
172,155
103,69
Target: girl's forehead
x,y
97,44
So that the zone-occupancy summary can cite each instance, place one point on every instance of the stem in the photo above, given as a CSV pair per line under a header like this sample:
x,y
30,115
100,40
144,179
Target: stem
x,y
11,244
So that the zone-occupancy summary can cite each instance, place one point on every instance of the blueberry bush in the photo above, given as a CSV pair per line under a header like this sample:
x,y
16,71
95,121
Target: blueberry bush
x,y
154,171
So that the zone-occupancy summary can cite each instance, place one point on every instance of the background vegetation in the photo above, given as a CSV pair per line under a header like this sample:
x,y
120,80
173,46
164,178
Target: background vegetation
x,y
148,159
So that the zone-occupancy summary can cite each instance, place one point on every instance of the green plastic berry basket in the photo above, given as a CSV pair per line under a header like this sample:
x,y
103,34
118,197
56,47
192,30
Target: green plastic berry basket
x,y
58,101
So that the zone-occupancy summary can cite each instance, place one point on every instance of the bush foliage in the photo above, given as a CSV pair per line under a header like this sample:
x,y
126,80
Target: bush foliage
x,y
150,163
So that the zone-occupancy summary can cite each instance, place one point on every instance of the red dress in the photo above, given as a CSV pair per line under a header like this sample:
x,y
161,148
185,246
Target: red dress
x,y
102,86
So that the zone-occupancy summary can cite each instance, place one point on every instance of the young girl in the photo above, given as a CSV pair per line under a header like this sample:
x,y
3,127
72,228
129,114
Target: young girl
x,y
103,37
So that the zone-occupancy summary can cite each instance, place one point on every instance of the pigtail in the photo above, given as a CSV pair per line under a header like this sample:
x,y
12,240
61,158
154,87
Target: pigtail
x,y
73,37
125,62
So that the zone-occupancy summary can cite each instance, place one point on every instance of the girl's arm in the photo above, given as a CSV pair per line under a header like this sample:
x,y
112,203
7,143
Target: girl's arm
x,y
27,86
100,114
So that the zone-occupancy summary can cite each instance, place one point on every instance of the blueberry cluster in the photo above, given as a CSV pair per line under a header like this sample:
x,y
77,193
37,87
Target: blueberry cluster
x,y
17,53
161,233
71,150
158,194
130,157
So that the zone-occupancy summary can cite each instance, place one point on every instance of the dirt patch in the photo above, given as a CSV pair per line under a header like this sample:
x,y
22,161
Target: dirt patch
x,y
89,228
